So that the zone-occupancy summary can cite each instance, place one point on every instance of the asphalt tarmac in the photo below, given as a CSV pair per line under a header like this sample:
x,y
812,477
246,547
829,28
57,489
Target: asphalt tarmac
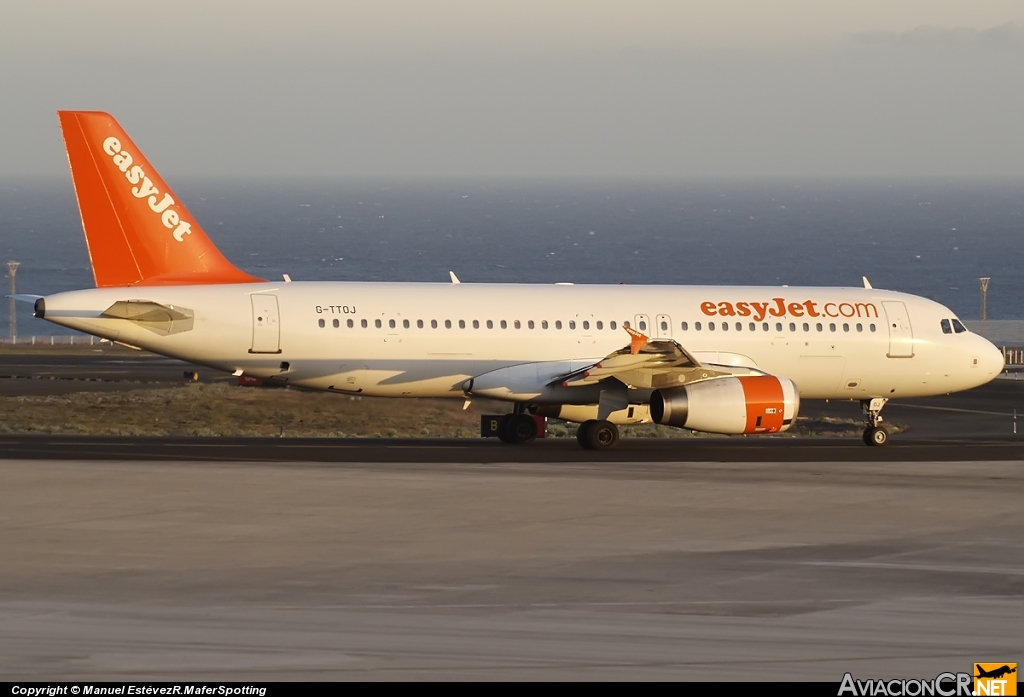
x,y
715,559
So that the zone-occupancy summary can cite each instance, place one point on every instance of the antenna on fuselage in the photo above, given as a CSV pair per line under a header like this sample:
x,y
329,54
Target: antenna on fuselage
x,y
867,283
455,279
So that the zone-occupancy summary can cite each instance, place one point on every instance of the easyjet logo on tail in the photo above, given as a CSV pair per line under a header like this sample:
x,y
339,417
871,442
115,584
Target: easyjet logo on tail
x,y
778,307
144,188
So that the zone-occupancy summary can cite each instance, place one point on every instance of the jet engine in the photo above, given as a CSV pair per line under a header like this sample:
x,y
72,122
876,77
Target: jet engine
x,y
755,404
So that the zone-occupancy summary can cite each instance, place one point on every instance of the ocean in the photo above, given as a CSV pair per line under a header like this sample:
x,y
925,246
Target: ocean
x,y
930,237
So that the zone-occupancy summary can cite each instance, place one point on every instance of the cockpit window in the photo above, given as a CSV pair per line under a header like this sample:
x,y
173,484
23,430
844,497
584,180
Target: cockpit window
x,y
946,328
958,327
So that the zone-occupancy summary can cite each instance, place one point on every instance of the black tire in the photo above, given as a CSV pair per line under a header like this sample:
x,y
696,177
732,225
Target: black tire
x,y
520,428
581,434
602,435
876,436
503,430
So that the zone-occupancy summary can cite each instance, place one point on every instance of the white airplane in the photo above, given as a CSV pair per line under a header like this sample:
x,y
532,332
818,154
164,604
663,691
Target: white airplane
x,y
719,359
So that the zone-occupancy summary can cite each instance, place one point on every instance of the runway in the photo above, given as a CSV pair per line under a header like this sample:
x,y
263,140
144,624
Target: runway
x,y
135,570
423,559
553,452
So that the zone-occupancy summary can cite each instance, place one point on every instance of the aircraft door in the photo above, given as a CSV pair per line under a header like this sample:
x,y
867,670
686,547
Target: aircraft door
x,y
266,324
901,334
662,327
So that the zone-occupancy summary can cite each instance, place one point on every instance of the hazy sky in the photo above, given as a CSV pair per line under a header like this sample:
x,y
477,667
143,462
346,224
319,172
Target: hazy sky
x,y
474,87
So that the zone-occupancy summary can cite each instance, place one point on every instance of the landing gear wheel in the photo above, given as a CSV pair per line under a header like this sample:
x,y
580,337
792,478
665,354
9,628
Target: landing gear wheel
x,y
503,434
581,433
519,428
602,435
876,435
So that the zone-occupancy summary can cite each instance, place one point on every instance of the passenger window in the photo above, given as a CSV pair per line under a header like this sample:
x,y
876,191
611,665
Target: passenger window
x,y
872,327
362,323
350,324
517,325
558,324
490,324
696,325
818,326
860,327
792,326
846,327
664,326
377,323
947,328
684,326
764,326
711,326
753,327
447,324
958,327
626,323
807,327
433,324
832,327
544,324
419,324
778,326
739,326
611,325
572,324
725,326
336,324
476,324
643,326
600,325
391,323
405,324
586,324
321,323
504,324
462,324
530,324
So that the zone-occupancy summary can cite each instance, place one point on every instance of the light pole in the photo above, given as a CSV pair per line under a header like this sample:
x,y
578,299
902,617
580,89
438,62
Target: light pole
x,y
12,268
983,284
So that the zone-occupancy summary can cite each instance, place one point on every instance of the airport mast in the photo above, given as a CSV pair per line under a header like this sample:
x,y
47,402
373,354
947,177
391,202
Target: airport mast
x,y
982,283
12,268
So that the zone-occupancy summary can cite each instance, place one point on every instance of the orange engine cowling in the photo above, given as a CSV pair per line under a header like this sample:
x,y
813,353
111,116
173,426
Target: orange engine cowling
x,y
757,404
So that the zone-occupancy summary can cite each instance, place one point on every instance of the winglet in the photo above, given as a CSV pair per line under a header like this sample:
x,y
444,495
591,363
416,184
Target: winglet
x,y
637,340
136,229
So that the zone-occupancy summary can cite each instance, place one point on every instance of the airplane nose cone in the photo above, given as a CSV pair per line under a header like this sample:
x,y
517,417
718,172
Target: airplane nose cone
x,y
998,360
990,360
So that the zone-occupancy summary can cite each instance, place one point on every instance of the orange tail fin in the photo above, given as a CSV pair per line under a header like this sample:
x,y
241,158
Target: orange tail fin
x,y
137,231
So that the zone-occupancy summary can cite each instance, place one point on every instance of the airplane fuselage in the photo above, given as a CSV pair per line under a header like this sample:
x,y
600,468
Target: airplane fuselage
x,y
426,340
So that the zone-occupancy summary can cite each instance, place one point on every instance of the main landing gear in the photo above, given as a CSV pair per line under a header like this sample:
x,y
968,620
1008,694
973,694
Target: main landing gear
x,y
874,434
517,427
597,434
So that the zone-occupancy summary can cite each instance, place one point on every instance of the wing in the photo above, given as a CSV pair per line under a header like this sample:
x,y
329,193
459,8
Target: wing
x,y
650,364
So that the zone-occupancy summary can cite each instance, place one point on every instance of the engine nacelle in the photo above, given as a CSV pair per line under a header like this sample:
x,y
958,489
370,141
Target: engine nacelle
x,y
755,404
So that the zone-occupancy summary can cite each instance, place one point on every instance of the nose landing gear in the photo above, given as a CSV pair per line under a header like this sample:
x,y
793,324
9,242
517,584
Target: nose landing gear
x,y
874,434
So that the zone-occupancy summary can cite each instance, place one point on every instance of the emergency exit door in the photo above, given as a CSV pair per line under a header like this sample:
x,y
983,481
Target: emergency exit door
x,y
266,324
